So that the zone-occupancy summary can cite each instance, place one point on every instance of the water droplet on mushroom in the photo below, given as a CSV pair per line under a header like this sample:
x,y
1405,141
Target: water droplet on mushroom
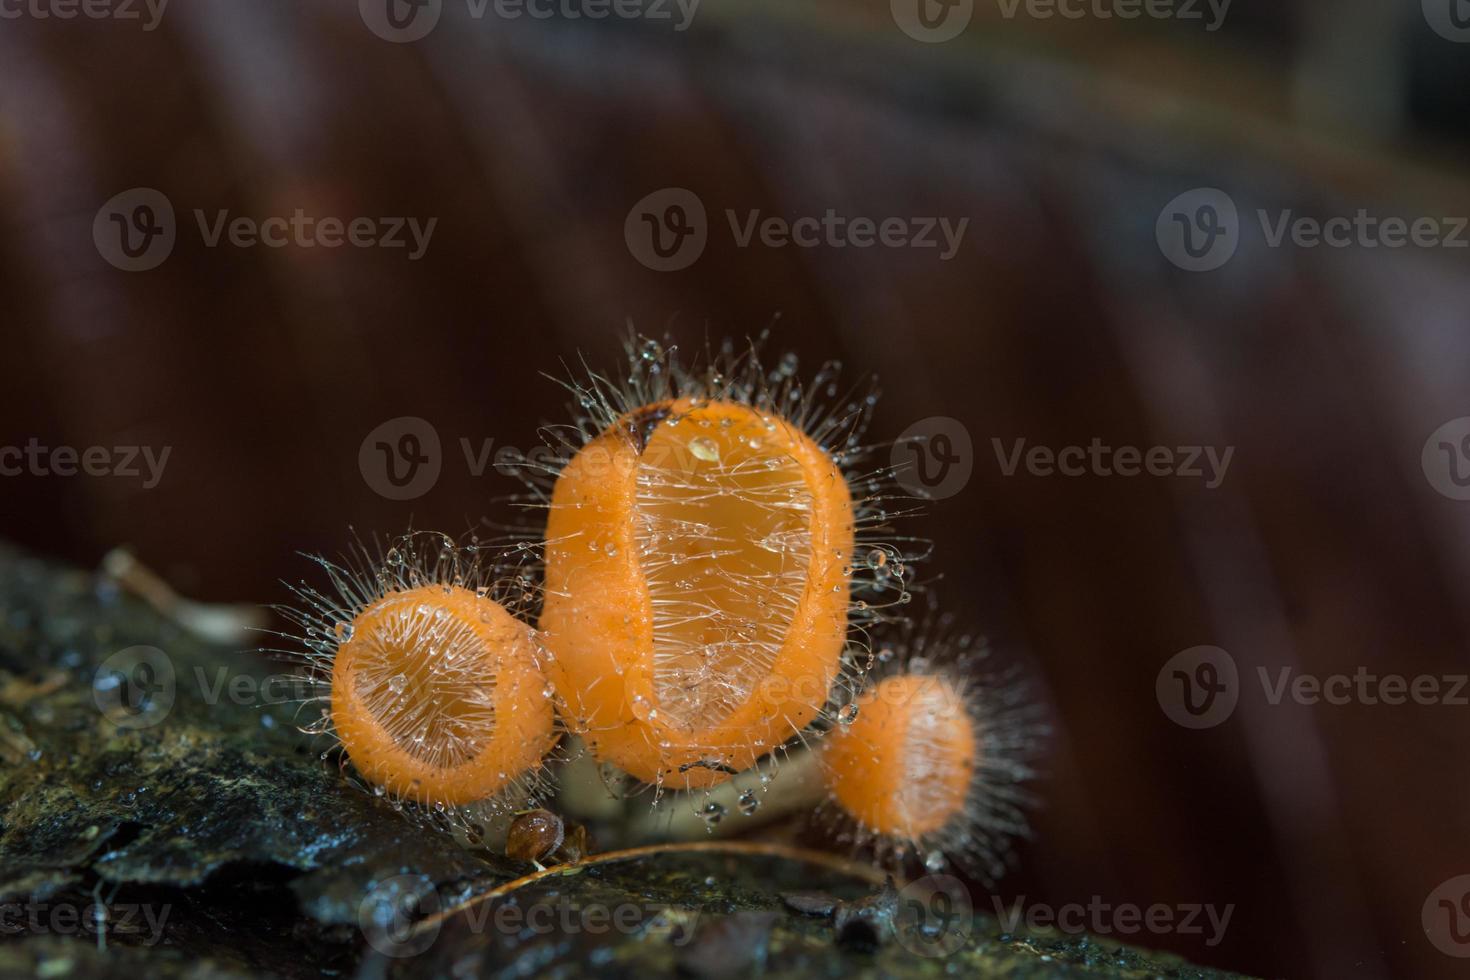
x,y
712,813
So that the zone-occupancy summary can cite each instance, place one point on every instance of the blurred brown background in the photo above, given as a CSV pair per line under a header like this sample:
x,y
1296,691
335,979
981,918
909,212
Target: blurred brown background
x,y
1325,549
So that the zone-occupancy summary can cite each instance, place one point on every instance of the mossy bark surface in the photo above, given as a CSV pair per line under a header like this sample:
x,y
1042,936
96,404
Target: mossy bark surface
x,y
222,844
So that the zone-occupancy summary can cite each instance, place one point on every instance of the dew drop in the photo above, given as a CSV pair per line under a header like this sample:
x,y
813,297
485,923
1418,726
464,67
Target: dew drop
x,y
712,813
847,714
934,861
749,802
705,449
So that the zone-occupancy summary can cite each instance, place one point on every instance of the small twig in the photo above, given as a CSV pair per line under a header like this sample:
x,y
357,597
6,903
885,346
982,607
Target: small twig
x,y
832,861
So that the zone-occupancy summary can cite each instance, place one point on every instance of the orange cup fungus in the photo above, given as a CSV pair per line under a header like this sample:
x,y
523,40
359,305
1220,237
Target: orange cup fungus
x,y
433,687
437,696
932,761
697,584
904,765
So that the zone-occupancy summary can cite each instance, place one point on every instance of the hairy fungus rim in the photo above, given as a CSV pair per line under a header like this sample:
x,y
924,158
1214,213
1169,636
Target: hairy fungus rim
x,y
523,732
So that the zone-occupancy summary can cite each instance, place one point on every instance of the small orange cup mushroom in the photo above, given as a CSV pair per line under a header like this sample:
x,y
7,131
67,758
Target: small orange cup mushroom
x,y
427,677
932,760
904,765
437,696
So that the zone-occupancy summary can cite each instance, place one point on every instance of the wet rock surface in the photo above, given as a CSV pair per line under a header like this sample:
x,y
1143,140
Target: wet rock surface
x,y
161,816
